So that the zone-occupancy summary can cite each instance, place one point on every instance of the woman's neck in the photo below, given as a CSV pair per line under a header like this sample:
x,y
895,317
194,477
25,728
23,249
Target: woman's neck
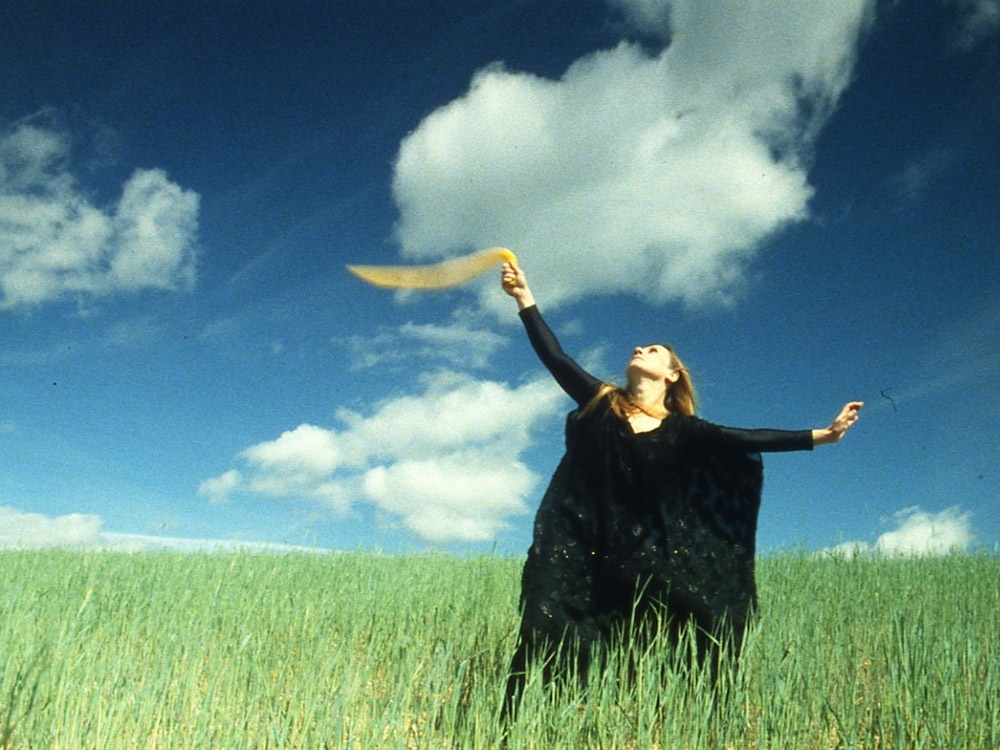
x,y
648,395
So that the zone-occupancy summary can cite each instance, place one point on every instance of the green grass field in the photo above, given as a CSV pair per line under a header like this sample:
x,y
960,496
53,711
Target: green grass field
x,y
161,650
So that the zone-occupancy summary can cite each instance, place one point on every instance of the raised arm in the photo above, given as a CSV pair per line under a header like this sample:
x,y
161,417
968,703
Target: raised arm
x,y
579,384
515,283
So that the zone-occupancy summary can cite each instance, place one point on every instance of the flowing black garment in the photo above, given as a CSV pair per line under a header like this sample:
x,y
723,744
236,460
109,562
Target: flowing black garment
x,y
631,522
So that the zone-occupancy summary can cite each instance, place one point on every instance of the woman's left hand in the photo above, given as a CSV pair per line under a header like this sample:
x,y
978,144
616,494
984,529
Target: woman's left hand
x,y
840,425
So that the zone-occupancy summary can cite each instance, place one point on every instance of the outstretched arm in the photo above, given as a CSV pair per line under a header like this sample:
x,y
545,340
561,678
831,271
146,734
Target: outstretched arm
x,y
844,421
776,441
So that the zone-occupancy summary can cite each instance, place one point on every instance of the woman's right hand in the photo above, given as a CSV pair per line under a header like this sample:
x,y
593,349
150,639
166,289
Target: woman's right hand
x,y
515,284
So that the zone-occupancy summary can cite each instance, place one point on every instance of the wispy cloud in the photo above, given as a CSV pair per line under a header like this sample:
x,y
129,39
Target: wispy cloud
x,y
978,20
128,333
658,174
960,358
460,343
444,463
917,533
24,530
918,177
150,543
55,242
131,332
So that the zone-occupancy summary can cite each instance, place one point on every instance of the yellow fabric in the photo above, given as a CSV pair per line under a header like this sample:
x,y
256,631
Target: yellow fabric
x,y
436,276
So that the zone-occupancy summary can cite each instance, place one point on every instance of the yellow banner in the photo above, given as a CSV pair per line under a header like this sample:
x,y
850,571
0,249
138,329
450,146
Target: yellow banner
x,y
441,275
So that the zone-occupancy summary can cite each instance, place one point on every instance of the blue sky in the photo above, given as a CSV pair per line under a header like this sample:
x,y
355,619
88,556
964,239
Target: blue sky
x,y
801,200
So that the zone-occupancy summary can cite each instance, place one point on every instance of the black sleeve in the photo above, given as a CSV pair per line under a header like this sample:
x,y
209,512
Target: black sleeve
x,y
579,384
716,437
766,441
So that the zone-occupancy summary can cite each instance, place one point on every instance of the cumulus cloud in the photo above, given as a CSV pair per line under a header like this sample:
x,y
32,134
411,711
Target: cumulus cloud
x,y
218,489
444,464
658,174
465,495
20,530
54,242
918,533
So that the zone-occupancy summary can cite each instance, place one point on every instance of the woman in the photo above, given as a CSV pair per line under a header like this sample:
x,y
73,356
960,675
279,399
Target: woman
x,y
651,514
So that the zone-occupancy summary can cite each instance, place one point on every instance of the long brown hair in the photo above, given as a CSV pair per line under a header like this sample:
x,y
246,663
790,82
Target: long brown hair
x,y
680,396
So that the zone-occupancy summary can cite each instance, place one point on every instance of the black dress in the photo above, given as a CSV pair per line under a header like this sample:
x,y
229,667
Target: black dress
x,y
633,523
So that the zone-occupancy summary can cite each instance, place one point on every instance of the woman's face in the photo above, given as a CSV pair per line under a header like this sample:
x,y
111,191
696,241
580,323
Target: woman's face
x,y
653,362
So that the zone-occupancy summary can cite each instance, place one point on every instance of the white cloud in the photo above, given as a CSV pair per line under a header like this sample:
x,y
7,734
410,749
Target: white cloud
x,y
920,533
54,242
154,231
459,343
658,175
219,489
466,496
444,463
20,530
300,456
917,533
